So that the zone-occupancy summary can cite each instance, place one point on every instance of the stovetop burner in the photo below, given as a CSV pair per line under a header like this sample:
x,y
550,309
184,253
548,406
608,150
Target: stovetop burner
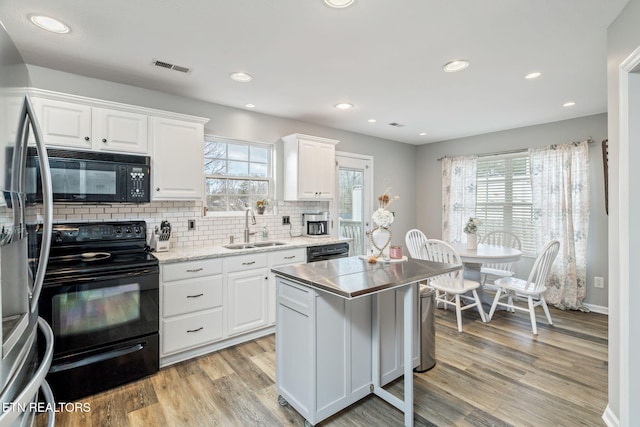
x,y
85,256
94,248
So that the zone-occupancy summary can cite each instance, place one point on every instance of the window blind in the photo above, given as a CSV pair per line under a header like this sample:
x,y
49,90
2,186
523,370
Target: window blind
x,y
503,198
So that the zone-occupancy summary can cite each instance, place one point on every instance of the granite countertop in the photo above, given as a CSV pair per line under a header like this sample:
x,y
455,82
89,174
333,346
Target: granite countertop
x,y
218,251
354,276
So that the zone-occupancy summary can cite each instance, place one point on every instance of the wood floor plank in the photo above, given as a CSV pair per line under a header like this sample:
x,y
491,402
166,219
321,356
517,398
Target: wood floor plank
x,y
492,374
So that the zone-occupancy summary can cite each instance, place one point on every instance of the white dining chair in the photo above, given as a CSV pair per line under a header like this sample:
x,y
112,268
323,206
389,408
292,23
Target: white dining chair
x,y
415,241
493,271
515,289
452,287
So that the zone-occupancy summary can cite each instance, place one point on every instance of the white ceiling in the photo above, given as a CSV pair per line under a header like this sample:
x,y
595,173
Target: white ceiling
x,y
384,56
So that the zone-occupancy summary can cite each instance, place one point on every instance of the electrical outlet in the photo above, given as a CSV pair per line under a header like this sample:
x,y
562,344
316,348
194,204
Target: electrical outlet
x,y
286,220
598,282
191,224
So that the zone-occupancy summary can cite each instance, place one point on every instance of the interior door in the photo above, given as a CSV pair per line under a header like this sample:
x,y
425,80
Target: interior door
x,y
354,198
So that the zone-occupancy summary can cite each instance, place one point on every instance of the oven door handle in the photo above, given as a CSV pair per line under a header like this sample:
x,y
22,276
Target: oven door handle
x,y
97,358
72,280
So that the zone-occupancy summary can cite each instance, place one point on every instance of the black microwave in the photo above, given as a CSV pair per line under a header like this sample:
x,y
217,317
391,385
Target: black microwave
x,y
91,177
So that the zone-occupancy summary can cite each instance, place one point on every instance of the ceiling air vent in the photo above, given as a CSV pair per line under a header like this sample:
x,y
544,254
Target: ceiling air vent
x,y
396,125
170,66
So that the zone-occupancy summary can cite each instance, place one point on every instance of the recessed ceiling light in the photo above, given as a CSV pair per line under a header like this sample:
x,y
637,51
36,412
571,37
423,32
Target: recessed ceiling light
x,y
532,75
49,24
423,133
344,106
241,77
250,106
371,120
569,104
339,4
457,65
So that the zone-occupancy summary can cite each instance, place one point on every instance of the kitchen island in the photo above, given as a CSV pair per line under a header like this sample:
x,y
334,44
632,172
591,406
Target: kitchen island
x,y
331,331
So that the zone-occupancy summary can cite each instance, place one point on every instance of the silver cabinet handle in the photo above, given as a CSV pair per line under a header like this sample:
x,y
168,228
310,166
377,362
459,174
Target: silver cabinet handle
x,y
195,330
290,257
104,140
248,263
195,296
86,138
195,270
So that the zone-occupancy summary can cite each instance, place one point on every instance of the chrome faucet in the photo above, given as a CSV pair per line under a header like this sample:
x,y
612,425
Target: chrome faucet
x,y
246,223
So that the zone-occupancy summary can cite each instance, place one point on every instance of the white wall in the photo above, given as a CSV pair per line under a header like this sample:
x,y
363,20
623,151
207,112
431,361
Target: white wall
x,y
429,182
394,165
623,37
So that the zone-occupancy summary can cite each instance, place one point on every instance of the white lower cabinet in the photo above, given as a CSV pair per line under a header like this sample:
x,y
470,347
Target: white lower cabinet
x,y
192,305
247,299
278,259
324,347
210,304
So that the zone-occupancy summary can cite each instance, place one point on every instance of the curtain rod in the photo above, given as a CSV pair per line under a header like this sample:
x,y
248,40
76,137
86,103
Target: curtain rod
x,y
521,150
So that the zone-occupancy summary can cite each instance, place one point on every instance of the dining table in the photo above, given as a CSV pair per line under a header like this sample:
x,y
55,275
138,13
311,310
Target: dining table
x,y
472,260
484,254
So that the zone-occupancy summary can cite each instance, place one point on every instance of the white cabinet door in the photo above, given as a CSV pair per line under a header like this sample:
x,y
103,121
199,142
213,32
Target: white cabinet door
x,y
316,174
247,300
64,124
119,131
326,157
177,159
309,167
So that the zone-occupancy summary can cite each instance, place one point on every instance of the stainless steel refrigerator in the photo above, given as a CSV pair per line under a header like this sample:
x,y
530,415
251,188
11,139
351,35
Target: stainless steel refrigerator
x,y
22,366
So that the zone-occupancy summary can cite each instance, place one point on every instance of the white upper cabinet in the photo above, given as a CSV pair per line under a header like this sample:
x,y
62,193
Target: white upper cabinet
x,y
72,125
64,124
120,131
177,168
310,164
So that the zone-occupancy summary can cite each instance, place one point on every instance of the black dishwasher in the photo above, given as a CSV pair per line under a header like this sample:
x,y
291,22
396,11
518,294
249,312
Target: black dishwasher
x,y
328,251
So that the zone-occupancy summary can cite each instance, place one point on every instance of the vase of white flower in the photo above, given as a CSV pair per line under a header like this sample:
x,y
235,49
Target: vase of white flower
x,y
472,241
471,230
380,240
381,236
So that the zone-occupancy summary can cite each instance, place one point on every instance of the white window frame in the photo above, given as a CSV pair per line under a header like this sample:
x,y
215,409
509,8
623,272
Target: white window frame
x,y
269,179
526,234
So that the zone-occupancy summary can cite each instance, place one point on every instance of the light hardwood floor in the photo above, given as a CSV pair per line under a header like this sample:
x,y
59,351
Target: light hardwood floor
x,y
493,374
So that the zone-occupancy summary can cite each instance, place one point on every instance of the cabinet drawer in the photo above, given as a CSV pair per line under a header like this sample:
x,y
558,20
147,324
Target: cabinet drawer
x,y
188,296
190,269
191,331
297,297
290,256
245,262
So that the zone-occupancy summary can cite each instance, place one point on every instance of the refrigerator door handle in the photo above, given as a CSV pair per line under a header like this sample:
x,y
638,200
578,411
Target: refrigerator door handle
x,y
27,394
51,402
47,193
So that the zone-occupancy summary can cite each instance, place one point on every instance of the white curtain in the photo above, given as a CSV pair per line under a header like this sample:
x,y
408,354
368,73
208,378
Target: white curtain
x,y
458,196
560,183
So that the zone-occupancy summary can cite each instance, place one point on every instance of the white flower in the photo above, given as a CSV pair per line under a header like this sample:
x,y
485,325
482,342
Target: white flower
x,y
472,225
382,217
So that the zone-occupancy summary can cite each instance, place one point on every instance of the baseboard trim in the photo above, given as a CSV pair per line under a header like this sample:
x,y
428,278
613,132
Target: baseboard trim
x,y
610,418
598,308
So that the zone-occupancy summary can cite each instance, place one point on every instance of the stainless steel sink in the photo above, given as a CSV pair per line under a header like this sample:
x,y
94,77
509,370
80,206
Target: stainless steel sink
x,y
240,246
253,245
267,244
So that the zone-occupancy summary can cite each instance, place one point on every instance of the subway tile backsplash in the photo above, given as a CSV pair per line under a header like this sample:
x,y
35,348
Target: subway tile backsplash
x,y
209,231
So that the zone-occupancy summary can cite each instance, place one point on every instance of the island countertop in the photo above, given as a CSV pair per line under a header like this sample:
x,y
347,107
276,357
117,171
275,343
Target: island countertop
x,y
353,277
